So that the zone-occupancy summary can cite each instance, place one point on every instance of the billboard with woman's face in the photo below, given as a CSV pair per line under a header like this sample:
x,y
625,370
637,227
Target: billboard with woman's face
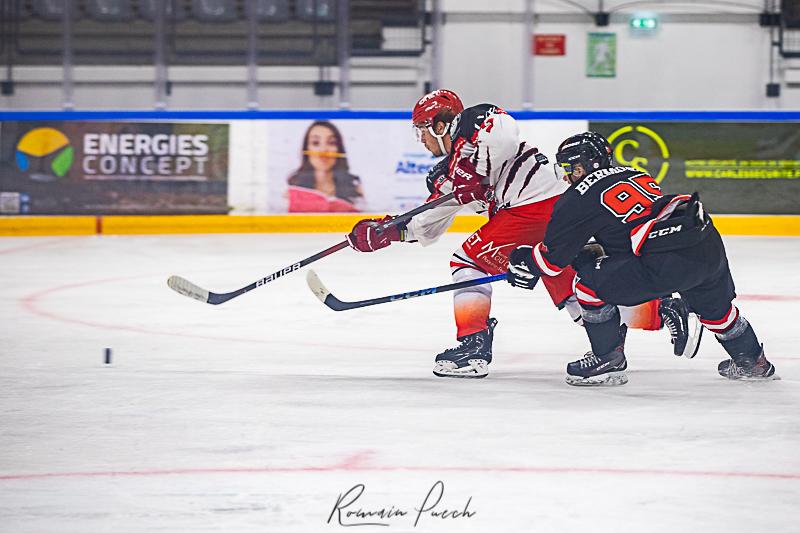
x,y
344,166
323,181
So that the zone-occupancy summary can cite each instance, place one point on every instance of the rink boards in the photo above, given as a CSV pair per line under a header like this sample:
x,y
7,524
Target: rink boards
x,y
185,172
767,225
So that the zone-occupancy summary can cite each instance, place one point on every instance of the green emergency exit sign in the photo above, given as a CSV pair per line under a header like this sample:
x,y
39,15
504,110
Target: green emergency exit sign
x,y
644,23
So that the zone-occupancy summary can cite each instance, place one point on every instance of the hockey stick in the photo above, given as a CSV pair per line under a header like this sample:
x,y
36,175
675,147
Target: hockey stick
x,y
325,296
187,288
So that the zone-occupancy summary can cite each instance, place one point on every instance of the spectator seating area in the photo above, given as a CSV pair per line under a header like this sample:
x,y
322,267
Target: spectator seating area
x,y
202,32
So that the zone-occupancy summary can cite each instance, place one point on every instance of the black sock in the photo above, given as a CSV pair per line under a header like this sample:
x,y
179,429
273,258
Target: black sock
x,y
604,336
744,345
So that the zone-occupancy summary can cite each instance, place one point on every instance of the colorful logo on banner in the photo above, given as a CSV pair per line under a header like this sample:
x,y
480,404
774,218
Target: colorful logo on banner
x,y
636,146
44,154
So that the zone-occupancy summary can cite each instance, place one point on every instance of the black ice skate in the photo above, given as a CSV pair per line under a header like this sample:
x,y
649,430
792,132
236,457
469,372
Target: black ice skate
x,y
471,358
684,328
747,368
593,370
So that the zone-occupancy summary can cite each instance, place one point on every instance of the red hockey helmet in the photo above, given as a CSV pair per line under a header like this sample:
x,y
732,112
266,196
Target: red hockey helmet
x,y
433,104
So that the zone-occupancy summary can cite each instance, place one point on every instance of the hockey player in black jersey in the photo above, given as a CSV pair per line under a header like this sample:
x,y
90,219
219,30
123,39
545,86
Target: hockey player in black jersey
x,y
653,245
492,172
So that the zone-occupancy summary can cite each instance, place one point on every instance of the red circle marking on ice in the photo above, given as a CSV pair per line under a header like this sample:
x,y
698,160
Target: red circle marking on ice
x,y
31,303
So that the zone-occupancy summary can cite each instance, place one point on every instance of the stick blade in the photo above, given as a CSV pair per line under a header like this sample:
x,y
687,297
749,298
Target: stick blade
x,y
316,286
187,288
323,294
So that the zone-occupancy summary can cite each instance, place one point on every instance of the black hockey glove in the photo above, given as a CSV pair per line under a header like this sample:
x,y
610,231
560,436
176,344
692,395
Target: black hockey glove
x,y
588,255
521,268
437,174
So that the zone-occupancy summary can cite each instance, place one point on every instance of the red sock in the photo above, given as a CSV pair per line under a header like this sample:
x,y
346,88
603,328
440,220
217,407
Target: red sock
x,y
643,316
471,312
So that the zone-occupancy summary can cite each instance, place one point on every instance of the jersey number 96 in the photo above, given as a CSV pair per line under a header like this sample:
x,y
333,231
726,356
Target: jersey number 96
x,y
630,199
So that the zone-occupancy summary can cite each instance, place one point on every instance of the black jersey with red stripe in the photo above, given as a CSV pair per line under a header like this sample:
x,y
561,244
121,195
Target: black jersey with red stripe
x,y
609,205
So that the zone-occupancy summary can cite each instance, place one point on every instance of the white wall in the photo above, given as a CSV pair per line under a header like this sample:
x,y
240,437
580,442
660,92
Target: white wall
x,y
689,63
718,66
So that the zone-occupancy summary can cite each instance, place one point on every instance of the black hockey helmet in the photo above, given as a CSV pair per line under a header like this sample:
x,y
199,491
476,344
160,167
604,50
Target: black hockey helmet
x,y
590,149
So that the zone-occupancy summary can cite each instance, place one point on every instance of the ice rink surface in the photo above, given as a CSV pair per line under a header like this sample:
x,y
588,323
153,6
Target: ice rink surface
x,y
256,415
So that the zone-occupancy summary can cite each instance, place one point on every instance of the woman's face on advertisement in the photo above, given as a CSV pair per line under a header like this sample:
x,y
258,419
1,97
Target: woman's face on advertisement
x,y
322,148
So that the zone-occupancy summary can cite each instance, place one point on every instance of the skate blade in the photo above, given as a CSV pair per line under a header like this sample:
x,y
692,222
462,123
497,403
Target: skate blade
x,y
754,379
692,348
611,379
472,371
773,377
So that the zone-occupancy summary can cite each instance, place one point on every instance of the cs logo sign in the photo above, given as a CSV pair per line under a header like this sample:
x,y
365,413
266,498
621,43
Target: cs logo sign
x,y
44,154
641,148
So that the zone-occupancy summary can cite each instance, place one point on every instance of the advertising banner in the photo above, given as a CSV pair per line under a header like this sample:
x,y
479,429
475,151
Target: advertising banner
x,y
546,135
113,167
744,168
375,166
345,166
352,165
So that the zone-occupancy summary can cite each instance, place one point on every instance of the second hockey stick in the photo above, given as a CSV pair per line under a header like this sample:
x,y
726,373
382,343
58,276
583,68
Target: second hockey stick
x,y
187,288
325,296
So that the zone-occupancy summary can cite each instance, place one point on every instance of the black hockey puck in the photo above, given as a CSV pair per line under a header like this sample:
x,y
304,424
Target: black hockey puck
x,y
108,356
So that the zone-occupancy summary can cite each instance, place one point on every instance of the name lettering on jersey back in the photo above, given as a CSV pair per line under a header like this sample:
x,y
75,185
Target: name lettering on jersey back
x,y
583,186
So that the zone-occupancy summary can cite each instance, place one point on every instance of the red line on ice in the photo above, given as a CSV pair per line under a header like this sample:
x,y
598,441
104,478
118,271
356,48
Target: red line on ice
x,y
31,246
344,467
768,297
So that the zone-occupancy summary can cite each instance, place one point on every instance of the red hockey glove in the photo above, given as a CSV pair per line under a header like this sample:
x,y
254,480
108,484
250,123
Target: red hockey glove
x,y
467,183
365,237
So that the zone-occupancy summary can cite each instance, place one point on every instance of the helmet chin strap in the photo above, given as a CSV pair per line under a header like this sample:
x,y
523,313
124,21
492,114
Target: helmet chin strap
x,y
439,138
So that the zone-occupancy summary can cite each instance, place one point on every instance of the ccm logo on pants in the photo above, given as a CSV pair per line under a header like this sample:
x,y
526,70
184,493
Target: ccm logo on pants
x,y
664,231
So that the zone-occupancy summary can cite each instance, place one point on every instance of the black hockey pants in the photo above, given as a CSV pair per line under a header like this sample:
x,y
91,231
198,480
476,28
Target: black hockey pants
x,y
699,273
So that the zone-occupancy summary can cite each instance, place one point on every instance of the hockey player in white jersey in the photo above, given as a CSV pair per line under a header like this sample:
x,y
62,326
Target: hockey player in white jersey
x,y
496,174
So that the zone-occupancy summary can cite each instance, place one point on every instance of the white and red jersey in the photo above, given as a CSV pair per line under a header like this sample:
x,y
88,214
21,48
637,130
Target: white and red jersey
x,y
516,173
